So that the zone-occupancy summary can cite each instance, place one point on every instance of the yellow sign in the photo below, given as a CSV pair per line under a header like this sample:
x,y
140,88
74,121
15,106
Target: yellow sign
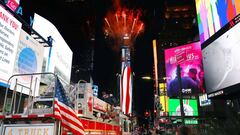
x,y
164,103
163,87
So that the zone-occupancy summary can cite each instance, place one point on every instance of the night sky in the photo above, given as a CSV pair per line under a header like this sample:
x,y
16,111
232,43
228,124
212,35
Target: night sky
x,y
79,21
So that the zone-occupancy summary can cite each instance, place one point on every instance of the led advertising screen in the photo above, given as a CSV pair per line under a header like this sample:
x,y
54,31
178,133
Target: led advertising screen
x,y
10,29
58,58
12,4
189,57
189,105
163,99
221,59
204,101
214,14
29,59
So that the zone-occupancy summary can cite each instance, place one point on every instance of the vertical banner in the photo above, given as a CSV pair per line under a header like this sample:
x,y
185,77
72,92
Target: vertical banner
x,y
163,98
10,29
155,66
126,81
127,90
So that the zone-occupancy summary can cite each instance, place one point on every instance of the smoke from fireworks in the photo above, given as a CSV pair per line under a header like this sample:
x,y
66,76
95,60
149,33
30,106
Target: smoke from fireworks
x,y
123,26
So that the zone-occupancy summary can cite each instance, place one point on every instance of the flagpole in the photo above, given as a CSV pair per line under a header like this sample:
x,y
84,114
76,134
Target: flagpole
x,y
55,87
57,122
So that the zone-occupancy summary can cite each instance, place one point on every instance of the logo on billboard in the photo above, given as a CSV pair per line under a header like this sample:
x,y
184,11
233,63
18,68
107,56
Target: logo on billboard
x,y
27,62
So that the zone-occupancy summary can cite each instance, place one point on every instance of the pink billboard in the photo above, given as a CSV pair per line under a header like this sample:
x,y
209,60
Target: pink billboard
x,y
189,57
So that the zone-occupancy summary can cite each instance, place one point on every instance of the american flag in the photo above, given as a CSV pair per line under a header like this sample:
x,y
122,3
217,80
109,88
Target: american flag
x,y
64,113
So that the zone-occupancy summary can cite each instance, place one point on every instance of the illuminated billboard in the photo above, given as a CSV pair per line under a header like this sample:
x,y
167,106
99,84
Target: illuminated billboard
x,y
29,59
189,57
12,4
163,98
58,58
214,14
190,107
164,103
221,59
10,29
204,101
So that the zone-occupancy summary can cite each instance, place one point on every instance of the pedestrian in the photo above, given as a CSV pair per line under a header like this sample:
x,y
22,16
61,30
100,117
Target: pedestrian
x,y
183,130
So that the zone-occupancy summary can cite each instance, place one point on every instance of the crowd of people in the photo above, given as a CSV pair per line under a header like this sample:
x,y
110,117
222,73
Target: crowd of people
x,y
181,130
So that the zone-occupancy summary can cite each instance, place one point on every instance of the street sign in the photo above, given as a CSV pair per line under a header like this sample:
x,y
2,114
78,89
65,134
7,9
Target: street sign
x,y
190,121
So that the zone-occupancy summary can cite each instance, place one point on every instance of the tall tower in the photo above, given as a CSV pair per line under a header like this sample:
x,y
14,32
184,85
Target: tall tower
x,y
123,26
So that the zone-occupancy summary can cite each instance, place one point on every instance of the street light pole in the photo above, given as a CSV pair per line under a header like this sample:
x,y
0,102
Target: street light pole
x,y
180,92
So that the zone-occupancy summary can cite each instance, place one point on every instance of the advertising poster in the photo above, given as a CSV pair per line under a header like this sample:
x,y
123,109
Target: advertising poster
x,y
189,57
29,59
164,105
204,101
189,105
58,58
10,29
163,99
12,4
214,14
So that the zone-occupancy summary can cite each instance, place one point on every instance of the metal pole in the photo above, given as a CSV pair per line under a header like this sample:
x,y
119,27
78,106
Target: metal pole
x,y
118,88
20,98
5,100
54,92
15,98
34,90
30,99
180,92
12,106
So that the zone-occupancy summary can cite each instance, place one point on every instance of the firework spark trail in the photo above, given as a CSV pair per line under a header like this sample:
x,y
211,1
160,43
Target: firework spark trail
x,y
116,18
133,25
107,23
124,19
140,28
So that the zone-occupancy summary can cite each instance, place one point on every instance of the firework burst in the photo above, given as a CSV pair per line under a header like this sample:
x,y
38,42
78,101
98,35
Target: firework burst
x,y
123,26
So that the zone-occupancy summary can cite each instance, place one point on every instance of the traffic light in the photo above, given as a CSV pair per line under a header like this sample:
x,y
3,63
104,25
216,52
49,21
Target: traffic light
x,y
155,112
146,114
